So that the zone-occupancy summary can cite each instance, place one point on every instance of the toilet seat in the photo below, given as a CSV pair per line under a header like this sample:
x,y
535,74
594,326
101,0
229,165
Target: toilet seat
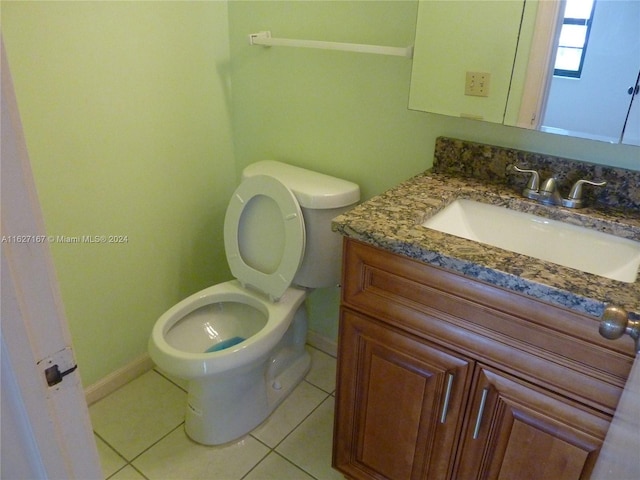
x,y
264,235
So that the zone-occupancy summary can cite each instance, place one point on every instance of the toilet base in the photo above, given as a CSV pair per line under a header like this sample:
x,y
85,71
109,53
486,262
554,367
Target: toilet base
x,y
224,407
283,384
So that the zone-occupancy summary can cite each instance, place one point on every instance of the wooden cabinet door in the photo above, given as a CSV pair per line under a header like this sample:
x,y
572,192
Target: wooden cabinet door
x,y
398,404
517,431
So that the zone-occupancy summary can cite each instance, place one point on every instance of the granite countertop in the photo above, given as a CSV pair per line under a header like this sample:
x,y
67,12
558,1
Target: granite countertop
x,y
392,221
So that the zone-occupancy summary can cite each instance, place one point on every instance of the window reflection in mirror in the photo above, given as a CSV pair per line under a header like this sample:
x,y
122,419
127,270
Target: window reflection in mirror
x,y
574,38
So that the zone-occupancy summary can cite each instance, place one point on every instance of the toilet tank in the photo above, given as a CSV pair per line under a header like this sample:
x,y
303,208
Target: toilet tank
x,y
321,198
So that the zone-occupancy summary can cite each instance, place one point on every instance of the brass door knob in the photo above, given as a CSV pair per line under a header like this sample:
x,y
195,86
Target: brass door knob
x,y
615,322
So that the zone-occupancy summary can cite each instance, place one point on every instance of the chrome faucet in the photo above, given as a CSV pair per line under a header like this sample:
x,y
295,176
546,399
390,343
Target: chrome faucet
x,y
549,194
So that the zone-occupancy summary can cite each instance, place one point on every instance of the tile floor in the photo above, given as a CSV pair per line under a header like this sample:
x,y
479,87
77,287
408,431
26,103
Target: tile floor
x,y
140,434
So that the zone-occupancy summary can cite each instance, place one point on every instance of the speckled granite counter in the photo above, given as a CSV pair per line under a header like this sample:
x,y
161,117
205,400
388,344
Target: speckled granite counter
x,y
392,221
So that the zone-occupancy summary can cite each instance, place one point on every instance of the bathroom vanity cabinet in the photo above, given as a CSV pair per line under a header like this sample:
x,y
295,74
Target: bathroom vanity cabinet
x,y
444,377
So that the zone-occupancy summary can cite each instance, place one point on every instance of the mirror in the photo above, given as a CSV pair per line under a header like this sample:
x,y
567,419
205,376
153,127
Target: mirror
x,y
511,57
451,42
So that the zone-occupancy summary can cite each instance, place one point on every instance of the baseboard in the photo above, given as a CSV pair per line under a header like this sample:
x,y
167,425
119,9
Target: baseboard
x,y
324,344
117,379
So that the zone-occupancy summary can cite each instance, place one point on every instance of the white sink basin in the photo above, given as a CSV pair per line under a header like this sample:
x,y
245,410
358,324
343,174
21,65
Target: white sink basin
x,y
568,245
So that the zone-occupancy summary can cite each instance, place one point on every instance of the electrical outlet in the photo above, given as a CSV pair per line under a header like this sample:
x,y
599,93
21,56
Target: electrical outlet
x,y
477,84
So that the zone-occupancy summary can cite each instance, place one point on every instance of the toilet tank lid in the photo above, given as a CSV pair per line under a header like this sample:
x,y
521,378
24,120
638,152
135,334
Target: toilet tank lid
x,y
312,189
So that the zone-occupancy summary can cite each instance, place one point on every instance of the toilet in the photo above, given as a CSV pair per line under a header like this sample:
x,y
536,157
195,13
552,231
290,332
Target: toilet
x,y
241,343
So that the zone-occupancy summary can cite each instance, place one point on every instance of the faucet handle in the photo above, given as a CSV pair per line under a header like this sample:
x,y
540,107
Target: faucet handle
x,y
534,181
574,200
576,190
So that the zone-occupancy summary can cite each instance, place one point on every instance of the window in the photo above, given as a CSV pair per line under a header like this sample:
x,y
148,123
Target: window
x,y
572,46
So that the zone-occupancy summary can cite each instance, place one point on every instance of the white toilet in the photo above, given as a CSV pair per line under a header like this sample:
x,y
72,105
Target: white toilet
x,y
241,343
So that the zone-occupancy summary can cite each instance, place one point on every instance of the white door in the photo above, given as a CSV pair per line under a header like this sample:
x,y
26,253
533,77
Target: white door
x,y
45,430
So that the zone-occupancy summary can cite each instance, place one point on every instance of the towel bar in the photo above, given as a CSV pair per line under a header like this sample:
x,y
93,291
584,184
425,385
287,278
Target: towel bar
x,y
265,39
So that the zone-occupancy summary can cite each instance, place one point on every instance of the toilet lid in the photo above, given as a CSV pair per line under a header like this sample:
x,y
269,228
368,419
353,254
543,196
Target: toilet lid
x,y
264,235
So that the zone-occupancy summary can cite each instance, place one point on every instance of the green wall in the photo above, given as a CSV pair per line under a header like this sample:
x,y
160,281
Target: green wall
x,y
127,115
125,107
341,113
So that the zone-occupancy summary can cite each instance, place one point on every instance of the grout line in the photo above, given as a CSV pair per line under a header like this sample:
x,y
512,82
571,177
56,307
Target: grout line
x,y
259,461
180,425
138,470
302,421
169,380
295,465
125,466
293,429
126,462
250,434
319,387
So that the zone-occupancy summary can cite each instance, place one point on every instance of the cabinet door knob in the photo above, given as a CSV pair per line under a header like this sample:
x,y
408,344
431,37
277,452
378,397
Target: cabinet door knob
x,y
615,322
483,401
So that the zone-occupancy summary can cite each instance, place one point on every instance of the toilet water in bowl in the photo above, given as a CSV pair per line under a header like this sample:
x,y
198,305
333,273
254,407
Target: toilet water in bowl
x,y
215,327
216,347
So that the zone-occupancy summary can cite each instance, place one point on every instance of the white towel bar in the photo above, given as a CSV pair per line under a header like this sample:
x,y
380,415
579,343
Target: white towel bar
x,y
265,39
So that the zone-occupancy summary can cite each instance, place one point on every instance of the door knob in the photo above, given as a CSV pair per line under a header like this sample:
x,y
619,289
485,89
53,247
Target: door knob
x,y
615,322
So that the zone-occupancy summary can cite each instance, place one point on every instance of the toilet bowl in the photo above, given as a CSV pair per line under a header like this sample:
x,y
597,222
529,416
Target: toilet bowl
x,y
232,389
196,336
241,343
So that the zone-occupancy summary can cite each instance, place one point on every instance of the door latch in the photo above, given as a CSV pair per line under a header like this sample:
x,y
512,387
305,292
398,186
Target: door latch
x,y
58,366
54,376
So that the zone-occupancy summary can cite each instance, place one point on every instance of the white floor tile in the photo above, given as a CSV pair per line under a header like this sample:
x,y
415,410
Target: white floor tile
x,y
127,473
110,461
323,370
143,420
138,414
177,457
181,382
310,445
295,408
274,467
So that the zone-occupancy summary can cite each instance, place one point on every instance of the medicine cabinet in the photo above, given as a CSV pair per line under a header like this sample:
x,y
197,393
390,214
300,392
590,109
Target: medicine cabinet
x,y
493,61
